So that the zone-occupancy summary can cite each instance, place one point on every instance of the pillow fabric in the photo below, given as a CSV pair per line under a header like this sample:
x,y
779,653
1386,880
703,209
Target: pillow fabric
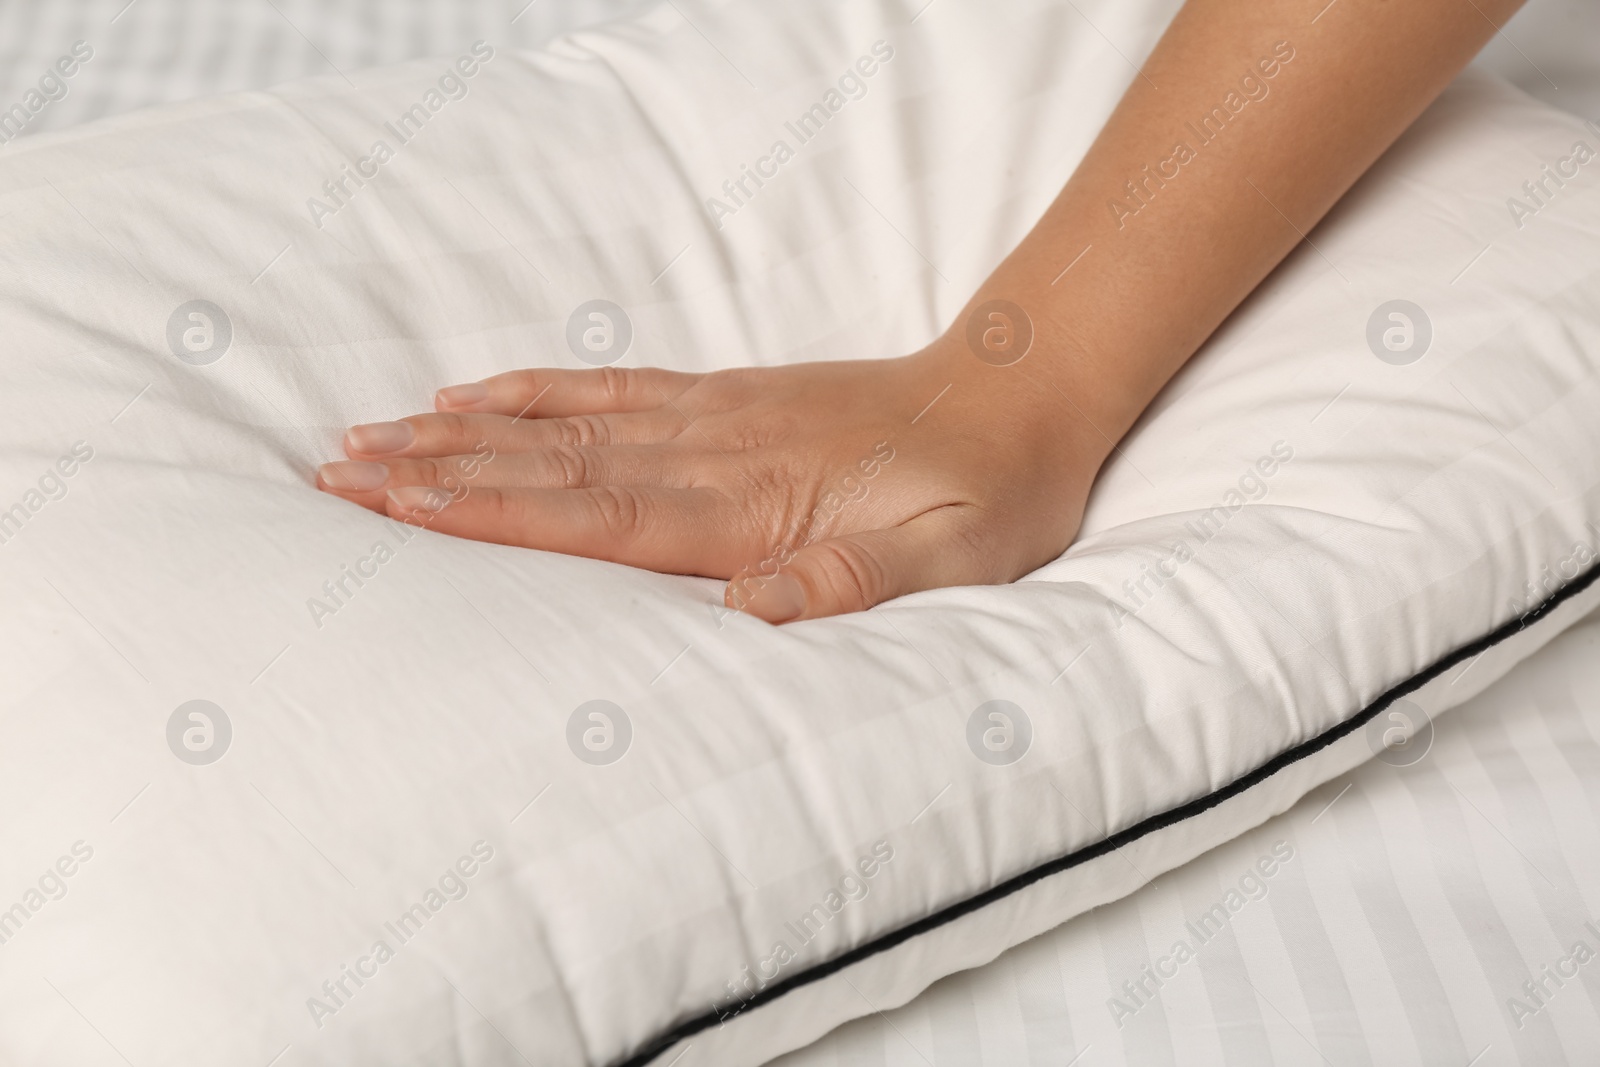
x,y
283,778
1382,919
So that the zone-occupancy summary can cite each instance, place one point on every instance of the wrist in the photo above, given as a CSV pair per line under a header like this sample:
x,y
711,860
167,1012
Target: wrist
x,y
1041,396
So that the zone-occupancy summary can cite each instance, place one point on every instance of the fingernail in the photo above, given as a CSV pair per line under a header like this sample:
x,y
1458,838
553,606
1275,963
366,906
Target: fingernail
x,y
378,437
777,599
462,396
354,475
419,498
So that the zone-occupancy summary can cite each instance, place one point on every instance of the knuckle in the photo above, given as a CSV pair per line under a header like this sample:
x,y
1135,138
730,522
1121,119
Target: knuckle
x,y
565,432
595,429
573,463
518,387
524,381
415,472
495,510
438,433
577,431
852,574
616,384
619,510
444,474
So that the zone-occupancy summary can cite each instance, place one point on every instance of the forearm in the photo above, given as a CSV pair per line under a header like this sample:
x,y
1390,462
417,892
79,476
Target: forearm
x,y
1245,126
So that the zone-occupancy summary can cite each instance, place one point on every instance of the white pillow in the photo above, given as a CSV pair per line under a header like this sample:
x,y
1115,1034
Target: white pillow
x,y
407,766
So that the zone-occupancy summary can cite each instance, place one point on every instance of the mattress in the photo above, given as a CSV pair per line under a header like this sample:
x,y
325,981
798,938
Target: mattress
x,y
1425,910
1406,905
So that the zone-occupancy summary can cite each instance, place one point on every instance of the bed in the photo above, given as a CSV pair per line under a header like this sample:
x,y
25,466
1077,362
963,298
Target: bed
x,y
1393,914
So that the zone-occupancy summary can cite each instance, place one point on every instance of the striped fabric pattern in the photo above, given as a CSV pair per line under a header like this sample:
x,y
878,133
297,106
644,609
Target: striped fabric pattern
x,y
1413,903
1442,912
159,51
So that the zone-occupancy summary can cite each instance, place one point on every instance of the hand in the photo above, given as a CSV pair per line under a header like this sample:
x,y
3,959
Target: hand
x,y
830,487
819,488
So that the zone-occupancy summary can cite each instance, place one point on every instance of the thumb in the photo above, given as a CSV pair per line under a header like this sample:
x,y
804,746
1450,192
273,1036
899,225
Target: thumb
x,y
854,572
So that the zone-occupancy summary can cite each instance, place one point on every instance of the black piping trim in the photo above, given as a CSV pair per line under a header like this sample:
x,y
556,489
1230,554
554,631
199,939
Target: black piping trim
x,y
1189,810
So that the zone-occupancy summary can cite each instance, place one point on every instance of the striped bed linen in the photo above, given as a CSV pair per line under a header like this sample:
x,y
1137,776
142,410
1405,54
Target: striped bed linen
x,y
158,51
1445,912
1427,913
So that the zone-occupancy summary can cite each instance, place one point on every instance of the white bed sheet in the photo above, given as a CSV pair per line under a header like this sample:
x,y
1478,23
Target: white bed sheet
x,y
1417,902
161,51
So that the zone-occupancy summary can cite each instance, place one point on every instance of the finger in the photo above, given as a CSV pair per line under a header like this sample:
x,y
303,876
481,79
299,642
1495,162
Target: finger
x,y
542,394
679,531
458,435
557,467
858,571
